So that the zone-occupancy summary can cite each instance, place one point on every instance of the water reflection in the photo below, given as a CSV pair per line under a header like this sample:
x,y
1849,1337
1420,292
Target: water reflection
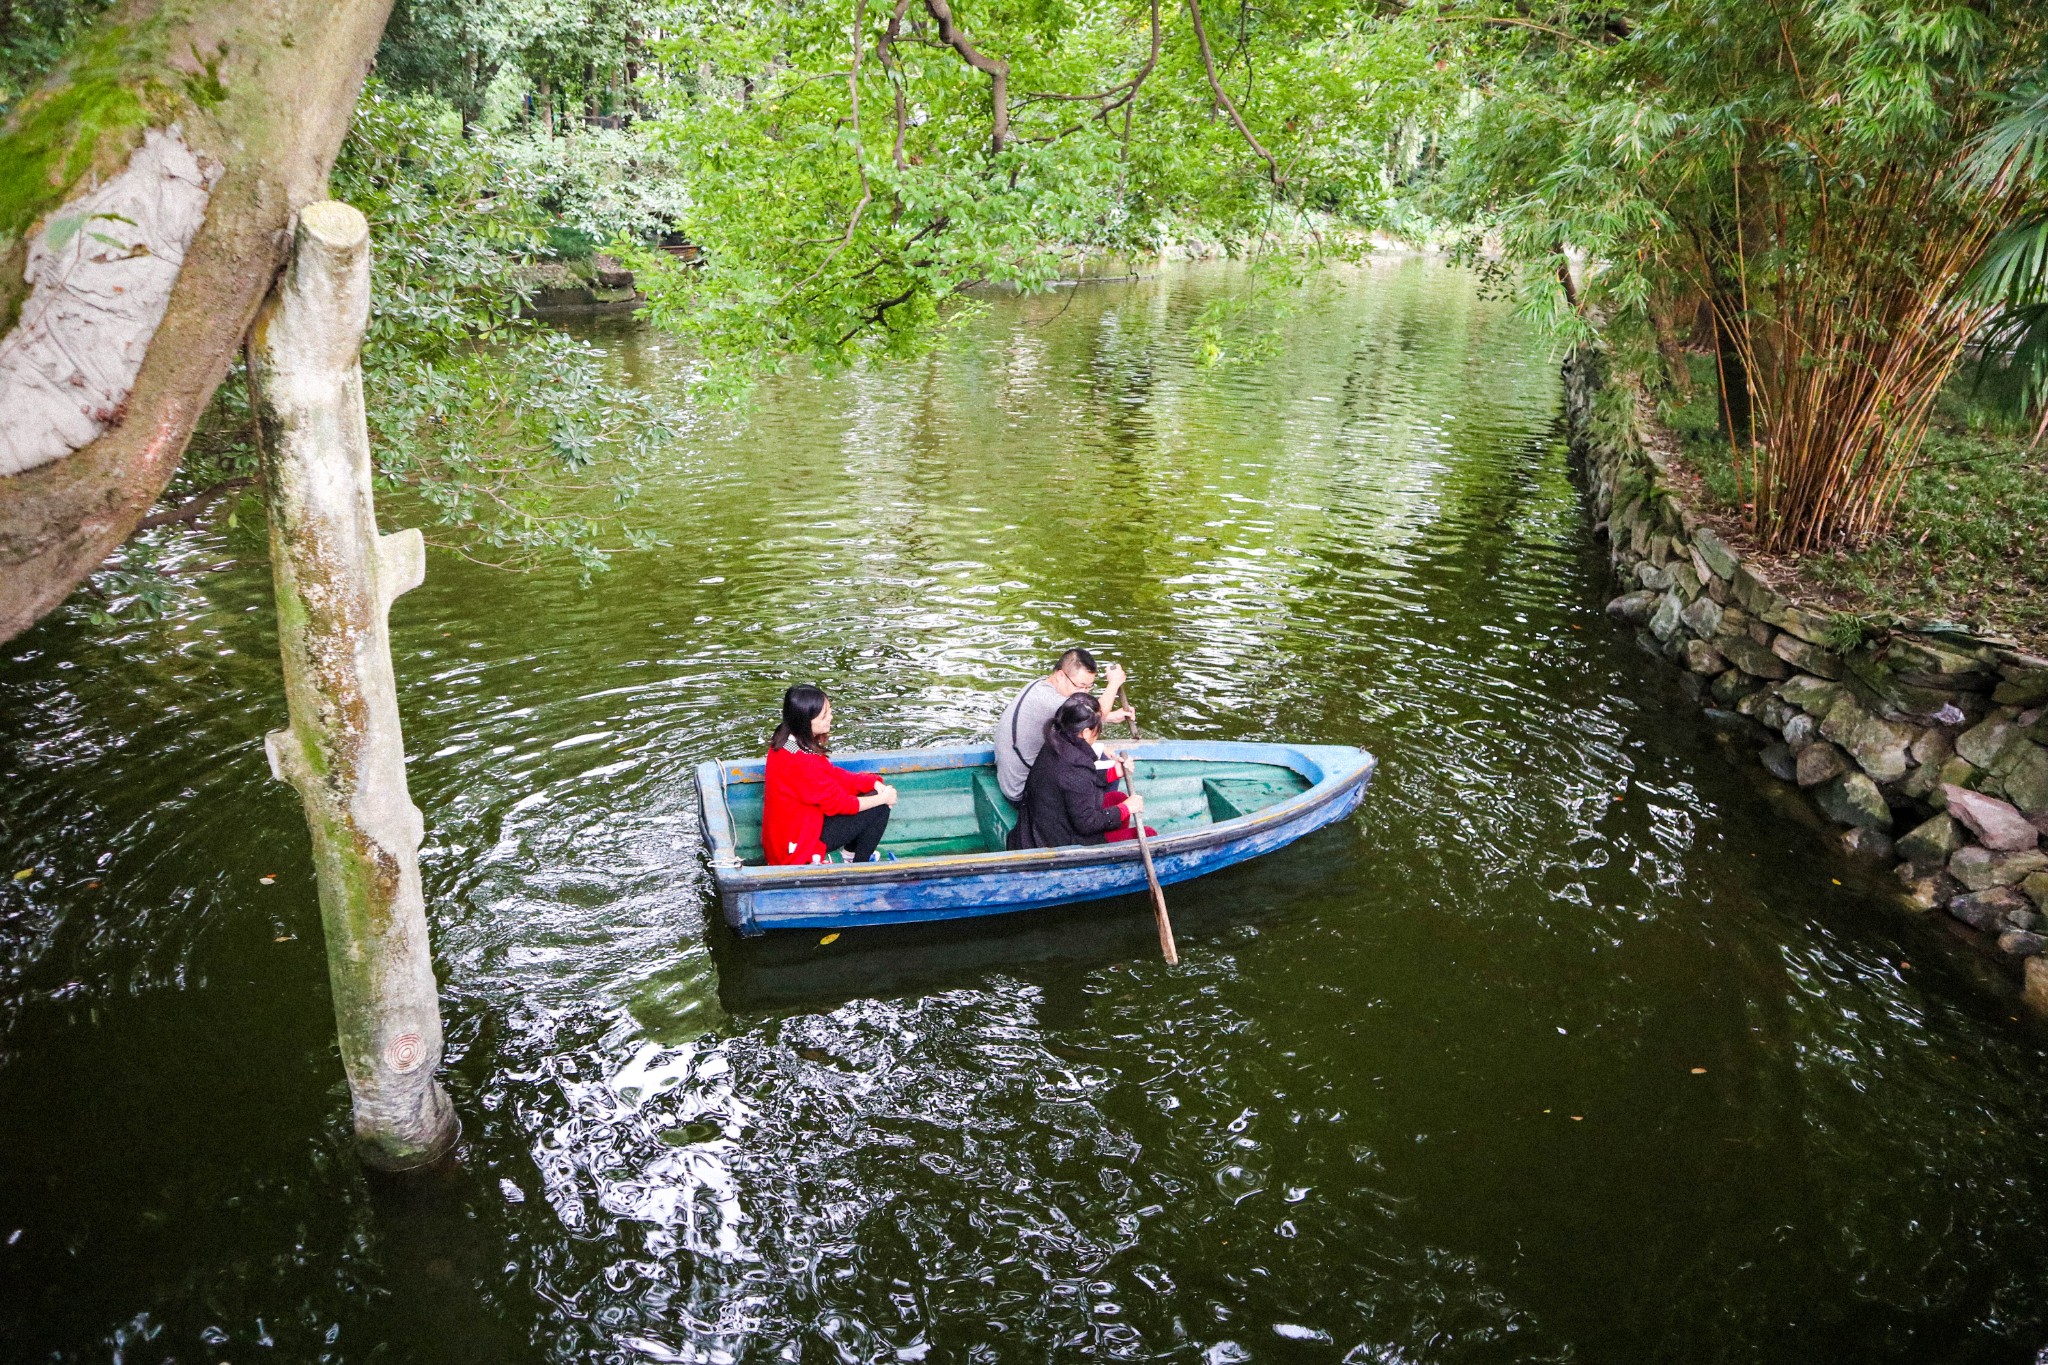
x,y
1569,1047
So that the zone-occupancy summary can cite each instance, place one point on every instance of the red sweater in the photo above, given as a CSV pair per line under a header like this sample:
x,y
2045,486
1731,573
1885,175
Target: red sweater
x,y
802,789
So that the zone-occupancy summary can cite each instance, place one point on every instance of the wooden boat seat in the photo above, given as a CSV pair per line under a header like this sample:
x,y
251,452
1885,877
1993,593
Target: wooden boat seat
x,y
1230,797
993,812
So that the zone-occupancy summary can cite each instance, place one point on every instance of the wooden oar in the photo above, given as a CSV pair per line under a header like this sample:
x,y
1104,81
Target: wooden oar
x,y
1145,847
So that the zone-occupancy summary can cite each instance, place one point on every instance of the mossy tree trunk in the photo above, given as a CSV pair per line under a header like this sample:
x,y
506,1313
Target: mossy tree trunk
x,y
147,193
336,578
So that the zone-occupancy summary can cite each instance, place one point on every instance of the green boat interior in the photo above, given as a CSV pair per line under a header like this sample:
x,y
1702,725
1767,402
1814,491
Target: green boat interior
x,y
961,810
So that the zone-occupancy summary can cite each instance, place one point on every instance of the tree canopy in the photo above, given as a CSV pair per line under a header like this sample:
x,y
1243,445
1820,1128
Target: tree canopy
x,y
1789,183
854,166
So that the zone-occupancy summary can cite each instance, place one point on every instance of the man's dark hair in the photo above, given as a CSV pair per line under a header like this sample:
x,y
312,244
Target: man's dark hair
x,y
1077,658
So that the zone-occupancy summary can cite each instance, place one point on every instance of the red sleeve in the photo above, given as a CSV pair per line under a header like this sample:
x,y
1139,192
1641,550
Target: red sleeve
x,y
815,782
856,784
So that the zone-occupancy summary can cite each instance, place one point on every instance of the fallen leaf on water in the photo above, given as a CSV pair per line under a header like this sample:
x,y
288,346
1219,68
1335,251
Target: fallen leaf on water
x,y
1836,880
1578,1118
24,874
829,938
1699,1071
284,938
92,886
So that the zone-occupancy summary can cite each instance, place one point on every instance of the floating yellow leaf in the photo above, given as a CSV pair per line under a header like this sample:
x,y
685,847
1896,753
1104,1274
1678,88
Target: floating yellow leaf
x,y
24,874
284,938
1578,1118
1836,880
829,938
1699,1071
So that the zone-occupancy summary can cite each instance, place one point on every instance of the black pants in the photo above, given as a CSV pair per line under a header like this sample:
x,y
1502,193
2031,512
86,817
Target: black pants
x,y
861,833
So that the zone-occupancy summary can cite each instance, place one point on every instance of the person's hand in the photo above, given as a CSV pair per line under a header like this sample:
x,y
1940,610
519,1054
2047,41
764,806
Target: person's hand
x,y
886,792
1114,675
1118,716
1136,806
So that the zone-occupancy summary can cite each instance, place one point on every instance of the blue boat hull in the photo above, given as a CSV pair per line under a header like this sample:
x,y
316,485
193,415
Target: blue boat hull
x,y
830,896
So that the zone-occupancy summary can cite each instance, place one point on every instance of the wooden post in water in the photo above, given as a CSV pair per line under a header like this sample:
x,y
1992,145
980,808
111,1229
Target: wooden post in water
x,y
336,578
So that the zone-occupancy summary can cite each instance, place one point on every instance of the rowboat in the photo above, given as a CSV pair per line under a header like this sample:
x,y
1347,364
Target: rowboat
x,y
1214,803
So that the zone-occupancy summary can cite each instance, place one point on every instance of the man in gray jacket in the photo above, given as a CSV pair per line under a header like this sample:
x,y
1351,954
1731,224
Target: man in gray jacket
x,y
1021,732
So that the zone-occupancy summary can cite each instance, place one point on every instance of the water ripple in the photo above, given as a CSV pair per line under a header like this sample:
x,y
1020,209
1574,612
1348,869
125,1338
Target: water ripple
x,y
1573,1046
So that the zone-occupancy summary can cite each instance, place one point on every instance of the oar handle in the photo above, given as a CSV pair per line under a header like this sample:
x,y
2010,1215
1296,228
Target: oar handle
x,y
1166,944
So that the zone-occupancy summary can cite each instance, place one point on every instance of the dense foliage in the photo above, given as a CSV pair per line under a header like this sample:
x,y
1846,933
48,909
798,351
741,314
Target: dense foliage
x,y
1787,173
488,58
33,35
854,166
1834,198
511,436
2013,276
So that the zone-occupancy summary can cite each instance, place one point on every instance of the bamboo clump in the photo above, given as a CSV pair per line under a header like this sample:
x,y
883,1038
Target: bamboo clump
x,y
1845,344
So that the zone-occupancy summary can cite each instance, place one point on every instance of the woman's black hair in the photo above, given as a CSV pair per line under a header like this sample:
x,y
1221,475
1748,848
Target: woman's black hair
x,y
1077,715
800,706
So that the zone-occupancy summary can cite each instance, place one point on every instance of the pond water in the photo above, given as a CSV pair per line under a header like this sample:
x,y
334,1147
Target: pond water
x,y
1576,1044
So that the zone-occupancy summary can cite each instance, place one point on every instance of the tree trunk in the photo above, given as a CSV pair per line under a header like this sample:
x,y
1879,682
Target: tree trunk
x,y
336,578
1738,423
151,187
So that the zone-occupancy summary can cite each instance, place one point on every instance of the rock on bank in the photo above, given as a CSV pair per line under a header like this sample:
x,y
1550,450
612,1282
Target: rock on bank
x,y
1929,747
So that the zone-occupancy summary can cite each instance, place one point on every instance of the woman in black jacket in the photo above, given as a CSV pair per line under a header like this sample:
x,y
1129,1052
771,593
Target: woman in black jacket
x,y
1071,795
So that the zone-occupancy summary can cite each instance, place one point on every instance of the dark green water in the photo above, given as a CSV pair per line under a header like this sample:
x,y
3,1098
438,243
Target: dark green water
x,y
1423,1090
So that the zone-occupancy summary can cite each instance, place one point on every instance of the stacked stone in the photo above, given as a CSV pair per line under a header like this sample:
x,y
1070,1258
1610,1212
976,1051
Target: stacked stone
x,y
1935,733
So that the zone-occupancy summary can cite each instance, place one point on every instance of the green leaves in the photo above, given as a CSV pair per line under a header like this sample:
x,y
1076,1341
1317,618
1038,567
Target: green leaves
x,y
1787,171
847,194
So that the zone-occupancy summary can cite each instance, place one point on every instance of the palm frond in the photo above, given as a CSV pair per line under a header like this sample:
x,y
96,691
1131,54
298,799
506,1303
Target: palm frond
x,y
2014,345
2013,149
2014,271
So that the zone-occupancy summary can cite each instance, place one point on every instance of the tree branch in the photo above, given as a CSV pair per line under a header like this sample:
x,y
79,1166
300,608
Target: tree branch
x,y
895,70
1223,99
998,70
236,154
1504,21
1128,89
881,310
192,508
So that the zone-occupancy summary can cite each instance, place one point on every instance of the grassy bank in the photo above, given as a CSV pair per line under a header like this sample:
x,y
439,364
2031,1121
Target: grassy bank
x,y
1968,541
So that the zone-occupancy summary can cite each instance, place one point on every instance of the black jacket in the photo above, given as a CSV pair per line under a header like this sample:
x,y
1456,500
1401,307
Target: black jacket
x,y
1063,798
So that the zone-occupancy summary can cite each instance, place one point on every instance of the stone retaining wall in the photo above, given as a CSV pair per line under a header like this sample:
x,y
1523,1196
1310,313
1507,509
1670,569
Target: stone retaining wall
x,y
1929,747
597,285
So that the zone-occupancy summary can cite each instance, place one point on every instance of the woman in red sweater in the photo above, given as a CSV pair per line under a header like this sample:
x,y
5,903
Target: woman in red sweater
x,y
812,808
